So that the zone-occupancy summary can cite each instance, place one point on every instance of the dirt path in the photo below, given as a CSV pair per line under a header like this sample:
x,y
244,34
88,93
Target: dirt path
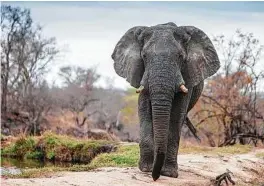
x,y
194,170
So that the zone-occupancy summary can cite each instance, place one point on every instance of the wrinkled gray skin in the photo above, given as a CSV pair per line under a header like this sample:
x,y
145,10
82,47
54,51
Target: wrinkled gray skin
x,y
161,58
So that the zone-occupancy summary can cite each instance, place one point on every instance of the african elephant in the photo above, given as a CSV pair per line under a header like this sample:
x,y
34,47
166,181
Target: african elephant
x,y
168,65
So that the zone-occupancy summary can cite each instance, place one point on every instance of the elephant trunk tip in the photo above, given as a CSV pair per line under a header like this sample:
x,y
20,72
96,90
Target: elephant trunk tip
x,y
158,166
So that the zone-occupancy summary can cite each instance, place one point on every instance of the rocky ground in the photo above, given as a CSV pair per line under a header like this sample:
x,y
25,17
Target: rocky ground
x,y
194,170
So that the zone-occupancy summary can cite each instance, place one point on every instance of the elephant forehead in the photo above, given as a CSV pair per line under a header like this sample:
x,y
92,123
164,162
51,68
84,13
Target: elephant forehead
x,y
162,28
169,25
166,31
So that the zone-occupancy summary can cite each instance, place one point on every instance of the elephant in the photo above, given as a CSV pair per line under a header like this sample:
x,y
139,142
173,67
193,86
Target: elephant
x,y
168,65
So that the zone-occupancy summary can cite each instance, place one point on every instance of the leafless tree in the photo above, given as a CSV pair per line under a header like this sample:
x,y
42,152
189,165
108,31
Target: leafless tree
x,y
111,102
25,57
76,92
37,103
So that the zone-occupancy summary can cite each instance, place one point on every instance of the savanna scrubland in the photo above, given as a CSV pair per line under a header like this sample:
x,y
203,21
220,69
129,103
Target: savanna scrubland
x,y
77,121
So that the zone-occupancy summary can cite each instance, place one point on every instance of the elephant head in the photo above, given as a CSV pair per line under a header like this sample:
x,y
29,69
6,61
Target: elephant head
x,y
163,60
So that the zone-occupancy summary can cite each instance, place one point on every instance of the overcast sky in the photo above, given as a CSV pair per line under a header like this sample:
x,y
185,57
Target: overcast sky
x,y
88,31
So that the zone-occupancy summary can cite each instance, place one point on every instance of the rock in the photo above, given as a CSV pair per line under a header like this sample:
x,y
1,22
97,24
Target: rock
x,y
10,170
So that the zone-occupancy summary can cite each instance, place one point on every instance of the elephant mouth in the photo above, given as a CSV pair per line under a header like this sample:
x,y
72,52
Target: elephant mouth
x,y
182,89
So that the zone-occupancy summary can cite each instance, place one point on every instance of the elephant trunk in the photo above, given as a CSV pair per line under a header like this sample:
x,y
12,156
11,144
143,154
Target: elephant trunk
x,y
162,87
161,120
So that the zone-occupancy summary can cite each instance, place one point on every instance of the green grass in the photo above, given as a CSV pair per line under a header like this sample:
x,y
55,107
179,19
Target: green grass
x,y
23,147
56,147
125,156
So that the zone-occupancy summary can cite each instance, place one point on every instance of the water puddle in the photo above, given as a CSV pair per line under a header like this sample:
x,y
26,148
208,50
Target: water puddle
x,y
15,166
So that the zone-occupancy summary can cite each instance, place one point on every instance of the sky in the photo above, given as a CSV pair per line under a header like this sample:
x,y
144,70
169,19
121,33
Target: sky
x,y
87,32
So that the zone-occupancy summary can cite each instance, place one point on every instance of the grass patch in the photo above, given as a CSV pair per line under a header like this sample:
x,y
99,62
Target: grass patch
x,y
235,149
125,156
57,147
21,147
260,155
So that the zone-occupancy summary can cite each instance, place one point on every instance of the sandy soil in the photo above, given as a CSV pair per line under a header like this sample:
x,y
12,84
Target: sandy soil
x,y
194,170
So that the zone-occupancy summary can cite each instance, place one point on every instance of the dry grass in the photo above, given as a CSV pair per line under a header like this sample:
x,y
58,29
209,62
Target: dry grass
x,y
188,148
64,119
260,155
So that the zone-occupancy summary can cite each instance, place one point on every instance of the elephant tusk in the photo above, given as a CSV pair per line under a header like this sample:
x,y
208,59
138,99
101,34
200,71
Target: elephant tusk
x,y
183,89
140,89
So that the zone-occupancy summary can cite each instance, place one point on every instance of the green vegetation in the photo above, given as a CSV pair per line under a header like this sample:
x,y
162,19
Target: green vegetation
x,y
130,115
22,147
125,156
56,147
64,148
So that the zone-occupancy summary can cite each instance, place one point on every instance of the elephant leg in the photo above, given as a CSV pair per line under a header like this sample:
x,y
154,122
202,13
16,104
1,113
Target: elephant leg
x,y
178,115
146,143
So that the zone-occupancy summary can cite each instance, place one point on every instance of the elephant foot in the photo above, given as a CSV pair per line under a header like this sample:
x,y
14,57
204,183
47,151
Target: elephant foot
x,y
145,165
170,172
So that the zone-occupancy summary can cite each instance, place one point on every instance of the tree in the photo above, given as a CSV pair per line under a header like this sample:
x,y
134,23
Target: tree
x,y
109,107
76,93
25,58
230,99
130,110
37,103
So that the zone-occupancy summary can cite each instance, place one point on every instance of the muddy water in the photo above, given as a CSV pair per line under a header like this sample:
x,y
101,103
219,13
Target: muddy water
x,y
14,165
31,163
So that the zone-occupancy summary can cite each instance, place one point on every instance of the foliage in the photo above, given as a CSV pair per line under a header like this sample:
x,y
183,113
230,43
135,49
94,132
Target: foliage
x,y
22,147
25,58
64,148
230,99
130,111
125,156
56,147
76,93
128,156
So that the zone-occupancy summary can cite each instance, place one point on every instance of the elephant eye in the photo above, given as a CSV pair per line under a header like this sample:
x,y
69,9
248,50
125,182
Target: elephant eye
x,y
146,35
176,35
138,32
144,56
181,56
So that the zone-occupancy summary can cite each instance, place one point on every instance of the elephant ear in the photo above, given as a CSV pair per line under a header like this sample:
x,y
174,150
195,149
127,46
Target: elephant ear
x,y
202,59
127,58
